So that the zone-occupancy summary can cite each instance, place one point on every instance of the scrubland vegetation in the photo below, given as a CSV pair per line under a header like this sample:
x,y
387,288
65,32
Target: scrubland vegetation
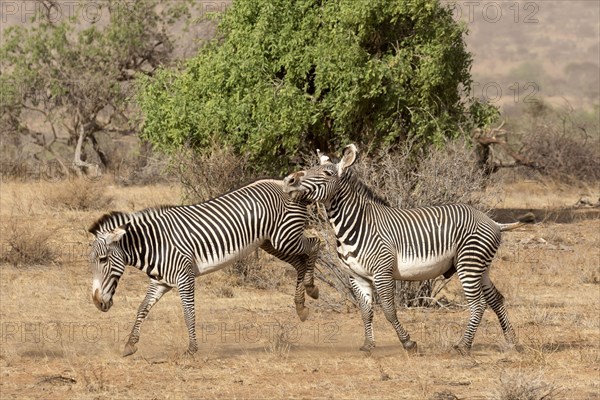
x,y
542,156
56,342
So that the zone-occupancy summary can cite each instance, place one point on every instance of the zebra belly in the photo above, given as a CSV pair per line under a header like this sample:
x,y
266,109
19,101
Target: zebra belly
x,y
206,265
413,268
355,268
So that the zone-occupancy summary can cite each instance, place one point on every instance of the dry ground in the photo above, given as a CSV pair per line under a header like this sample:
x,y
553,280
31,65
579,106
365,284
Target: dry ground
x,y
55,344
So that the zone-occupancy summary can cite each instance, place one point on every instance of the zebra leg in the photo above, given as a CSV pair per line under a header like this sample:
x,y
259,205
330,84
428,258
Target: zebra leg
x,y
385,286
300,263
470,277
153,294
309,278
186,293
496,301
363,291
301,310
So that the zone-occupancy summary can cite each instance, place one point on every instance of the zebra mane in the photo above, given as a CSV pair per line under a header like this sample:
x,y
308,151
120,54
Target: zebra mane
x,y
243,185
363,189
109,221
115,219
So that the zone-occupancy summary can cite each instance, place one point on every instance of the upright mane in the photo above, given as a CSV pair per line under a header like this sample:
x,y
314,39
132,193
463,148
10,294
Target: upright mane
x,y
243,185
109,221
115,219
364,190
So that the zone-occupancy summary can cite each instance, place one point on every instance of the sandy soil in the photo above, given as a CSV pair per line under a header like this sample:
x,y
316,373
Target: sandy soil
x,y
56,344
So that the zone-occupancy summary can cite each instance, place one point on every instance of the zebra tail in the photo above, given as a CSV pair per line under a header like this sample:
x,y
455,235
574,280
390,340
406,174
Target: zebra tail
x,y
528,218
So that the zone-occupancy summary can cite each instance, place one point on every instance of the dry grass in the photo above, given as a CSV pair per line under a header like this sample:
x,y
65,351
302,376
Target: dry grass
x,y
279,343
55,342
521,386
79,194
542,193
25,243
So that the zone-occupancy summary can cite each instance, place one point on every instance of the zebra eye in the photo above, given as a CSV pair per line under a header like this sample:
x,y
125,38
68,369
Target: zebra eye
x,y
103,259
328,172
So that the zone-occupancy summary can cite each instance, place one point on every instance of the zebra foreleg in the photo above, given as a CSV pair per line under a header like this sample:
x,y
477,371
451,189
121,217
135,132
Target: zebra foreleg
x,y
186,293
363,292
309,277
301,310
153,294
385,286
300,264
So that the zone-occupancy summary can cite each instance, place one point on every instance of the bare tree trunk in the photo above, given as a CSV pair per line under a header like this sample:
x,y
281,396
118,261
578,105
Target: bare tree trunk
x,y
78,163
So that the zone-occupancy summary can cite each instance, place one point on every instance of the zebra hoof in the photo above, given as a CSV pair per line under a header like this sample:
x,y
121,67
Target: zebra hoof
x,y
367,347
462,350
130,348
410,346
313,291
189,353
514,347
303,313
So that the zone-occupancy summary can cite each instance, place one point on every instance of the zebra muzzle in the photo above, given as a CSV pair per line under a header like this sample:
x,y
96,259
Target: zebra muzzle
x,y
291,181
101,305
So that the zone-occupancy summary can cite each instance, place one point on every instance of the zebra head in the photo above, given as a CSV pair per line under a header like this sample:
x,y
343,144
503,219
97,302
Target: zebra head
x,y
319,184
107,259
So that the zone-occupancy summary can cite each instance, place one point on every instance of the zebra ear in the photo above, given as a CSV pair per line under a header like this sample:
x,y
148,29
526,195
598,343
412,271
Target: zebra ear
x,y
323,158
348,159
116,234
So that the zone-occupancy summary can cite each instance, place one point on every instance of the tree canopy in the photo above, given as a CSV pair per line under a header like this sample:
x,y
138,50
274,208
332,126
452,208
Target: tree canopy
x,y
285,76
76,73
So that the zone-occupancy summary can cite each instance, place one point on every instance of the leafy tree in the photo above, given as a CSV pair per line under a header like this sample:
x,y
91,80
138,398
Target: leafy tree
x,y
77,73
287,76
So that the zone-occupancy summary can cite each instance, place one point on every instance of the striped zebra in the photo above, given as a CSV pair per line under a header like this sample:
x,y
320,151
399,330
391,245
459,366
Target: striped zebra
x,y
379,244
175,244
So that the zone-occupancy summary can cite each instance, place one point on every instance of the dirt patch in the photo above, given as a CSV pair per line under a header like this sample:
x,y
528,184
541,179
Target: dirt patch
x,y
56,344
551,215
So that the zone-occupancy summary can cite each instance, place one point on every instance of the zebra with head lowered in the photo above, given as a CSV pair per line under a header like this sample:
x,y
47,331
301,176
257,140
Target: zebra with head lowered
x,y
175,244
379,244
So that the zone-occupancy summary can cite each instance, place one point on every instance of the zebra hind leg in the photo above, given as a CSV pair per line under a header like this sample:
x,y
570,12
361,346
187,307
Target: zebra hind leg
x,y
363,292
471,283
153,294
495,300
385,286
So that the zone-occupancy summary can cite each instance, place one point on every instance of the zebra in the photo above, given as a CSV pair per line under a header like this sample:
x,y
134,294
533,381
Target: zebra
x,y
379,244
175,244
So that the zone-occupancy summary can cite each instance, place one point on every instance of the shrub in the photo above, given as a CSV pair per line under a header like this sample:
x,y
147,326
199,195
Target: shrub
x,y
78,194
287,76
26,244
204,176
560,143
440,176
564,156
523,387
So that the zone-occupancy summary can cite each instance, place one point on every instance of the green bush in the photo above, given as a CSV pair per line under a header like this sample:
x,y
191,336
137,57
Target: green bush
x,y
284,77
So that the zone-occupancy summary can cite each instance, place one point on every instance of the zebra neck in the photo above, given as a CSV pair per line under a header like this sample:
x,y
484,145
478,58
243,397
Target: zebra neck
x,y
132,252
346,212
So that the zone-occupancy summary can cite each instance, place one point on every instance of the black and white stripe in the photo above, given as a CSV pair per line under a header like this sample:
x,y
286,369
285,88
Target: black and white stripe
x,y
175,244
379,244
